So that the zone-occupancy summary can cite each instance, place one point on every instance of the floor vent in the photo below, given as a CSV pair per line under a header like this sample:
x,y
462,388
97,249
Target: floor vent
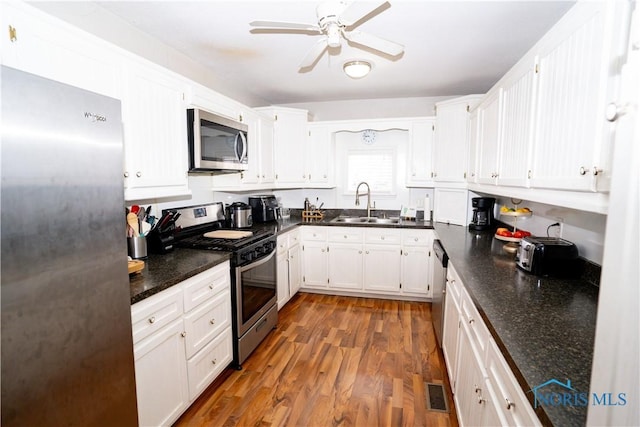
x,y
436,397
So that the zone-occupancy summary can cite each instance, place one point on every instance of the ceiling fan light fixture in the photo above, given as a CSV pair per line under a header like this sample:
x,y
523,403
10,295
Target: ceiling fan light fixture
x,y
356,69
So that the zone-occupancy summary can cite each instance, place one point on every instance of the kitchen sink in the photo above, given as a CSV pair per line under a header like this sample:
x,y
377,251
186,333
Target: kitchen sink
x,y
364,220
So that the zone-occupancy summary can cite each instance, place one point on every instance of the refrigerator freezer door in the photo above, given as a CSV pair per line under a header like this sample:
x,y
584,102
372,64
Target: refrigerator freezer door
x,y
67,351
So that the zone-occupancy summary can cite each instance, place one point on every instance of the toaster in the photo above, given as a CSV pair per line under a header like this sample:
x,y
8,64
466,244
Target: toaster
x,y
547,256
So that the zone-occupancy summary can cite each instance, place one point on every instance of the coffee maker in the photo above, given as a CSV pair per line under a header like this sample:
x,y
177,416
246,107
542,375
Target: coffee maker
x,y
482,213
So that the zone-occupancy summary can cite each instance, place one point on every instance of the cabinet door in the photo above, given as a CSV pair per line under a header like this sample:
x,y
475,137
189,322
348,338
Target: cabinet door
x,y
319,155
265,127
416,270
572,89
382,268
50,48
517,126
315,272
473,136
450,332
295,269
290,137
345,266
449,156
489,142
420,148
206,322
251,176
469,384
283,275
154,130
161,376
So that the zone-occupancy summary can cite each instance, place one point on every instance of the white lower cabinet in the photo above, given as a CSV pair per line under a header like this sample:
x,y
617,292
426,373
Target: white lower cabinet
x,y
486,392
315,257
161,376
182,341
289,266
377,260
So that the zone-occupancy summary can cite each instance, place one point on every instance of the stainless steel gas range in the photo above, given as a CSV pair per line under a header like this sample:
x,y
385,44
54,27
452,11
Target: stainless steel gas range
x,y
253,271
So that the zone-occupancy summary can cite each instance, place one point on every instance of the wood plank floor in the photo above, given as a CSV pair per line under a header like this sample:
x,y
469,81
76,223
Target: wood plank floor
x,y
333,361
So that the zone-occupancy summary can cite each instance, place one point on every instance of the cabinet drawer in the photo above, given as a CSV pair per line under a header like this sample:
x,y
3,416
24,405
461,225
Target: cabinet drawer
x,y
318,234
153,313
206,285
454,284
205,322
283,243
383,236
417,237
479,334
510,398
294,237
207,364
345,235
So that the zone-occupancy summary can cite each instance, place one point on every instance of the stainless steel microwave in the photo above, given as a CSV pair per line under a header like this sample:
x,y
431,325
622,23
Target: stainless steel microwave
x,y
216,144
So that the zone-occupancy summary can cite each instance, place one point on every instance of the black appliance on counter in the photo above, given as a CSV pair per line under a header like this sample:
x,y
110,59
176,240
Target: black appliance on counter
x,y
548,256
439,289
264,208
482,213
253,271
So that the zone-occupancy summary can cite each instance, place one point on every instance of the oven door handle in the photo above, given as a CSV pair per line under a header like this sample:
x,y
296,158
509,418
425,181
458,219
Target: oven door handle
x,y
257,263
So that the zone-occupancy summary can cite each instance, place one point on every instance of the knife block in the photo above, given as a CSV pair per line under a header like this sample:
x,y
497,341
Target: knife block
x,y
161,243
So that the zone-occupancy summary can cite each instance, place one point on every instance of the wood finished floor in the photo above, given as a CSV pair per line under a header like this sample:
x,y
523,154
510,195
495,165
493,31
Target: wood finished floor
x,y
333,361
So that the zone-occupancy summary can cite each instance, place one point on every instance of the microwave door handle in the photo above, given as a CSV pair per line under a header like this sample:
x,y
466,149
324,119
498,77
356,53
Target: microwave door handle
x,y
243,156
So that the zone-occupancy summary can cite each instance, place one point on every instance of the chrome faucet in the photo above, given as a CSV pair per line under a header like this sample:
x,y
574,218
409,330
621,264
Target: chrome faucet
x,y
368,193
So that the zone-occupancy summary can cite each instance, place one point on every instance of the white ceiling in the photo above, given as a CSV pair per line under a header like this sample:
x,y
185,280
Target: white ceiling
x,y
451,47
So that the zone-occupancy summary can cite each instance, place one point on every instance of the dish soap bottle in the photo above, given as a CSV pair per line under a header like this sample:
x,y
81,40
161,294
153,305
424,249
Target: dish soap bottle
x,y
307,204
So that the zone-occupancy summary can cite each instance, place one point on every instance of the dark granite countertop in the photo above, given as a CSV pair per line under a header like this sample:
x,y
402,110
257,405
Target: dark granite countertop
x,y
163,271
544,327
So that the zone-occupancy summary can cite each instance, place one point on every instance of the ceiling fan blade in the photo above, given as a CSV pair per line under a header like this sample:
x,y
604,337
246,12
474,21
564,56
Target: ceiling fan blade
x,y
315,53
374,42
358,13
285,25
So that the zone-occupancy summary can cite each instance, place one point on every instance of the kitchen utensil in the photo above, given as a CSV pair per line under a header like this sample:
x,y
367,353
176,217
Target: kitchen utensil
x,y
135,209
132,220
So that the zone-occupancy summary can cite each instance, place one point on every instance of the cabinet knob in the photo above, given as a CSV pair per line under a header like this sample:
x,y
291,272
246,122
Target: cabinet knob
x,y
509,404
304,176
325,175
614,111
413,174
367,252
415,239
471,321
596,171
360,252
126,174
152,319
212,321
381,237
480,400
583,170
345,236
263,176
183,334
214,361
138,174
211,286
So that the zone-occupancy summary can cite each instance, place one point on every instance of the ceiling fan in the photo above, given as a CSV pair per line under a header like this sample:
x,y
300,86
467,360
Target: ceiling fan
x,y
337,19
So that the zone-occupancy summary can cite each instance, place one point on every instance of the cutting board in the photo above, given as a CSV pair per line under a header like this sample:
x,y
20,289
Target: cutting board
x,y
228,234
135,266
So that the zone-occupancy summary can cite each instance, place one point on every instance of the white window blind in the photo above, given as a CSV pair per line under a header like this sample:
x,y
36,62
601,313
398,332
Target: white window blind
x,y
375,167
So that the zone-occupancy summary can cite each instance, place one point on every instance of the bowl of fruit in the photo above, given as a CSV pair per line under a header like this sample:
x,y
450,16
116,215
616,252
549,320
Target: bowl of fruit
x,y
510,236
507,211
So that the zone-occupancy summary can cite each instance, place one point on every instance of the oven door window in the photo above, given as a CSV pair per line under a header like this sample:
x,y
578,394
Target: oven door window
x,y
222,144
258,287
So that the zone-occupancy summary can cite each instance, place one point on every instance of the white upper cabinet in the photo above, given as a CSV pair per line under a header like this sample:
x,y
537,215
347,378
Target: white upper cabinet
x,y
290,140
39,44
155,132
260,149
578,72
319,156
420,148
450,148
518,92
489,113
472,137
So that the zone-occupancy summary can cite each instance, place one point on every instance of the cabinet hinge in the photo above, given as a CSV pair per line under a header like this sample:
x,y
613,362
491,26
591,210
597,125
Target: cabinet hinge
x,y
13,34
429,254
309,133
327,280
304,278
303,247
327,248
433,128
275,117
400,251
464,175
468,108
537,69
240,117
428,288
400,285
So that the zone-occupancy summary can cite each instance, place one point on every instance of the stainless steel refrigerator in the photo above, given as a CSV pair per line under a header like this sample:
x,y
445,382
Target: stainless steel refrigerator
x,y
67,350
